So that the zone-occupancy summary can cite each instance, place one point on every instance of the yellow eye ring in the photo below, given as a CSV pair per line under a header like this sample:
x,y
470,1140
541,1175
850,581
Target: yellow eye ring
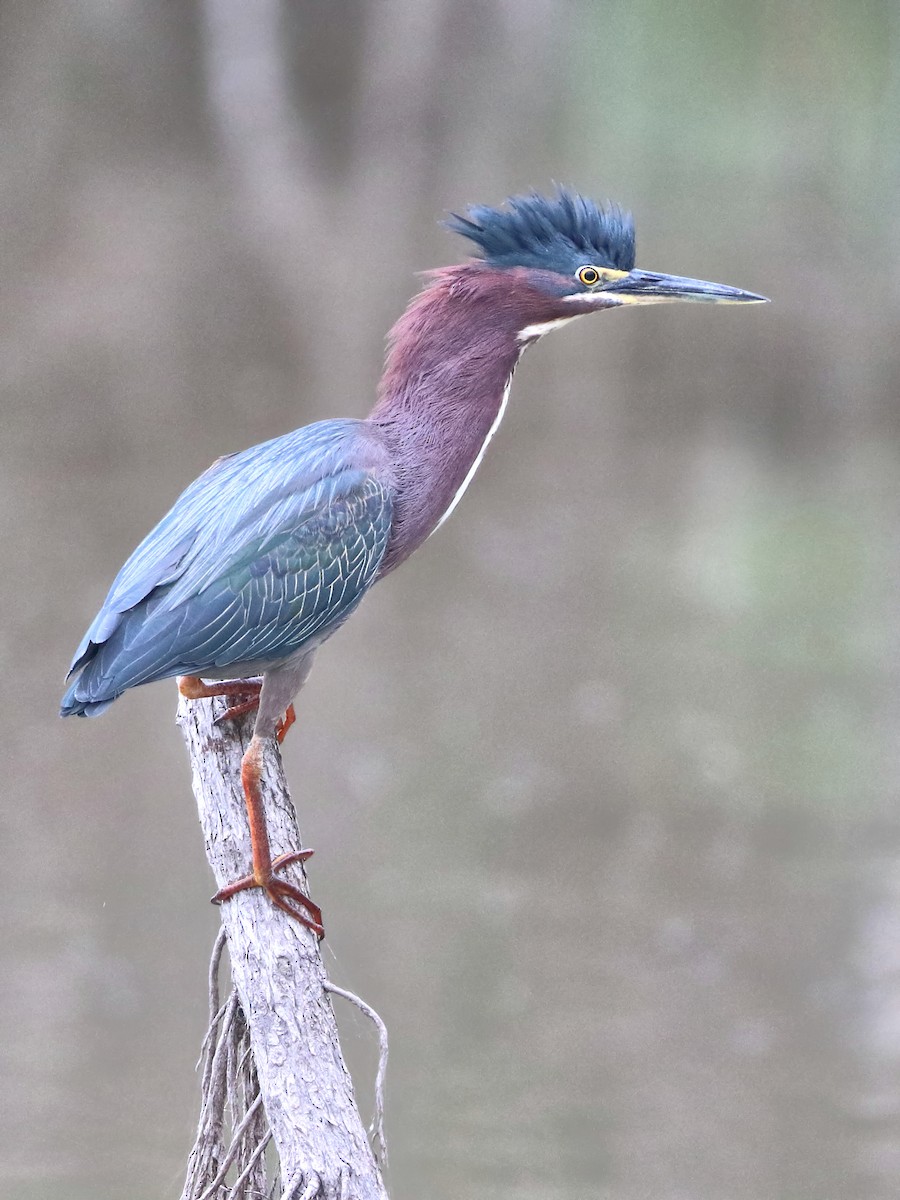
x,y
588,276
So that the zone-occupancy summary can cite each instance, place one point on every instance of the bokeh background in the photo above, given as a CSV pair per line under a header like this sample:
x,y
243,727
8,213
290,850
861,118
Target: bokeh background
x,y
603,784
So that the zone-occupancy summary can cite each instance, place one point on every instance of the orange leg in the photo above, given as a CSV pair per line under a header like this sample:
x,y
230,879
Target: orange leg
x,y
286,896
194,688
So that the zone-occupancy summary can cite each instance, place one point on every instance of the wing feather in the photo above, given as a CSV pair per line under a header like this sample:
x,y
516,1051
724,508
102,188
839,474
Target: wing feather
x,y
266,551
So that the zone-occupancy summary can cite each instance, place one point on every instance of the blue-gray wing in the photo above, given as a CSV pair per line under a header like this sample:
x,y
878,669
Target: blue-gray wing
x,y
269,550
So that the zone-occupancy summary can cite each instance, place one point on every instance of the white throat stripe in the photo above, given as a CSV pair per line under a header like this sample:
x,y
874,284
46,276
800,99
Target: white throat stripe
x,y
477,463
530,332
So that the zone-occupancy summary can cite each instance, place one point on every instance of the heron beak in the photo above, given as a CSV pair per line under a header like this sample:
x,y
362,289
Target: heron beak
x,y
646,287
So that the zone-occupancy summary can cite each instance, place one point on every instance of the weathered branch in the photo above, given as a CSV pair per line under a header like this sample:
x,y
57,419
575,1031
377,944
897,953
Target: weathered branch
x,y
281,984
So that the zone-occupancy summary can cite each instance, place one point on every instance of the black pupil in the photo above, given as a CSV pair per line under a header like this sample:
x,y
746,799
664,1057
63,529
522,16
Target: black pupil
x,y
589,275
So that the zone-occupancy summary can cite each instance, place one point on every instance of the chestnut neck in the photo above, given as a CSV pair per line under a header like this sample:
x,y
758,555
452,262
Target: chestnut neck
x,y
450,360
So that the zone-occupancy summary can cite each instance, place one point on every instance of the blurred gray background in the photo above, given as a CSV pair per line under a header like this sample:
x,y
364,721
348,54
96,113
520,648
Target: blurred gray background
x,y
603,784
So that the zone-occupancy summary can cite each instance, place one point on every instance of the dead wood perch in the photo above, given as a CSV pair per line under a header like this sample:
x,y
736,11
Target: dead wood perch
x,y
281,984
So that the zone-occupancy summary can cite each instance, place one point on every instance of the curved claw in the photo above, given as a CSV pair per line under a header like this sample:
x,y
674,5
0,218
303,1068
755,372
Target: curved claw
x,y
239,710
193,688
280,892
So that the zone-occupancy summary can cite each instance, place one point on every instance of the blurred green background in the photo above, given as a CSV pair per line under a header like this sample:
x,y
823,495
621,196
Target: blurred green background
x,y
603,784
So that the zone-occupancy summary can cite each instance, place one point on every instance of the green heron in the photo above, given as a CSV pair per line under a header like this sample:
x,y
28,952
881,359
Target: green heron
x,y
267,554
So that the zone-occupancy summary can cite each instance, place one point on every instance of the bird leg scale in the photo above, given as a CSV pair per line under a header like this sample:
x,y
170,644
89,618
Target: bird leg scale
x,y
193,688
286,896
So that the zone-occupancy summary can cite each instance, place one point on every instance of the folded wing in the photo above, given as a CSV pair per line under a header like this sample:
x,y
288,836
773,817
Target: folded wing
x,y
266,552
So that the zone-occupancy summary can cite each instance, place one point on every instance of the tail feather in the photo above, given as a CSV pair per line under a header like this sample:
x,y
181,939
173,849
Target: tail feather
x,y
89,694
73,707
107,669
79,701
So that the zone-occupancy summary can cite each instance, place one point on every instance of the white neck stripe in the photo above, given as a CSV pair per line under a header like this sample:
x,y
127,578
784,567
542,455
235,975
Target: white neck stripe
x,y
531,332
479,456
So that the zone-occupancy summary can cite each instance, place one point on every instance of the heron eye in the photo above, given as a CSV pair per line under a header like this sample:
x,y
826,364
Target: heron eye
x,y
588,276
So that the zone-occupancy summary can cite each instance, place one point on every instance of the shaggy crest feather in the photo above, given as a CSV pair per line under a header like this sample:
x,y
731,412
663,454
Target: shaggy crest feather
x,y
540,231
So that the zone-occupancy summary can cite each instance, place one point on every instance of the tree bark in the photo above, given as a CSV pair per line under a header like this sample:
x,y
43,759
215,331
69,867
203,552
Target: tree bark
x,y
279,975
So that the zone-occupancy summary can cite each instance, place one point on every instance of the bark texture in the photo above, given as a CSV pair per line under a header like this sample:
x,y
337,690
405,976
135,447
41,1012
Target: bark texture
x,y
279,975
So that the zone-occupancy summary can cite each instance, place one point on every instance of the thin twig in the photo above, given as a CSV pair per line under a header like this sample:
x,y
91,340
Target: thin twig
x,y
219,1060
215,1009
214,963
252,1161
210,1033
376,1129
231,1152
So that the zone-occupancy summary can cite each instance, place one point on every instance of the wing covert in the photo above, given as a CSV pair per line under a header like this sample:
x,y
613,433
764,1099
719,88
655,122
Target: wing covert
x,y
286,588
267,550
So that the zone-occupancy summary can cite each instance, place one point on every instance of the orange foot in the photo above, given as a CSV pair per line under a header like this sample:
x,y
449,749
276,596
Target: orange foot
x,y
193,688
286,896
